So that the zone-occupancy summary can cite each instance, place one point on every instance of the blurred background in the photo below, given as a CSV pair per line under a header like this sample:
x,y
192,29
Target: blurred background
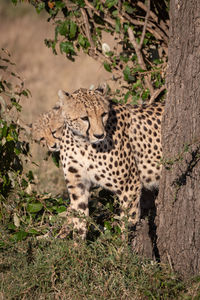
x,y
22,33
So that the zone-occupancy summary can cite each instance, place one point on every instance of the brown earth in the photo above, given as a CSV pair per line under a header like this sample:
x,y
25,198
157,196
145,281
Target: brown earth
x,y
23,32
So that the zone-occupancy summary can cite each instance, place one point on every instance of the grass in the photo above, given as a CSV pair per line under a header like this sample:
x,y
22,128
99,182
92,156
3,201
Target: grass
x,y
104,269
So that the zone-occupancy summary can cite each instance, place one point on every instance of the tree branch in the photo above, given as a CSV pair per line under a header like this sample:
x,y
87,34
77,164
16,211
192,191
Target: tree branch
x,y
151,27
107,19
157,93
145,25
165,31
141,62
87,27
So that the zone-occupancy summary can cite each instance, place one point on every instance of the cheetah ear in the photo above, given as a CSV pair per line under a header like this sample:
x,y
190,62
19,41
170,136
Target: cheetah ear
x,y
63,95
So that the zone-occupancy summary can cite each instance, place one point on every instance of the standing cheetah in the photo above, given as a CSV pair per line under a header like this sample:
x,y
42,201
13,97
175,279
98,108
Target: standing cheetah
x,y
117,147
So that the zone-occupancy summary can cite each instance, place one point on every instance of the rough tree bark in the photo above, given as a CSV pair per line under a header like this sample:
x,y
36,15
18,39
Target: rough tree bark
x,y
178,211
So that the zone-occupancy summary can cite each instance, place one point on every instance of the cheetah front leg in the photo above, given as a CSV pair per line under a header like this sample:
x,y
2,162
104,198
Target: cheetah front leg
x,y
130,202
78,211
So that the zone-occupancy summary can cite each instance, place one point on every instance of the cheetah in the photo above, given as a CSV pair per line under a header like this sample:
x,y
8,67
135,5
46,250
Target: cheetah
x,y
107,144
47,130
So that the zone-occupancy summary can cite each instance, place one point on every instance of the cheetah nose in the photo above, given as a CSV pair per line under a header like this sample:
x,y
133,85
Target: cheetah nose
x,y
99,136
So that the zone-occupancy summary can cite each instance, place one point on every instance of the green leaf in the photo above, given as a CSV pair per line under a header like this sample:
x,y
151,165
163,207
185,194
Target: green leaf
x,y
25,93
81,3
17,151
14,134
30,175
107,225
60,209
11,226
126,97
137,84
117,25
24,183
127,72
128,8
4,130
145,94
67,47
110,53
63,28
59,4
40,7
124,58
115,13
73,30
51,44
110,3
33,231
157,61
19,236
83,41
107,66
9,137
34,207
16,104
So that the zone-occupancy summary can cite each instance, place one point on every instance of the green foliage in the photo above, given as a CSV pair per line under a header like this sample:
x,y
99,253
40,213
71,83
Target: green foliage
x,y
22,211
82,25
11,147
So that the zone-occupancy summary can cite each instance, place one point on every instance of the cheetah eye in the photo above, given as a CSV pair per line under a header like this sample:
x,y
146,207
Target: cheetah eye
x,y
85,118
42,139
104,114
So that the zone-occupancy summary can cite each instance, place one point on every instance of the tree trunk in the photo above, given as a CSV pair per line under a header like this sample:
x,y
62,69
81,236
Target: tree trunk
x,y
178,211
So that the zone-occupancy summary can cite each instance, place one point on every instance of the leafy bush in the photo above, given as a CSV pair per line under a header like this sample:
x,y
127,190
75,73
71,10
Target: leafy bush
x,y
11,147
137,31
21,209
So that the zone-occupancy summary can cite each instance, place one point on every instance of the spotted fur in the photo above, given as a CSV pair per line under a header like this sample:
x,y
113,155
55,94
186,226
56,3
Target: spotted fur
x,y
117,147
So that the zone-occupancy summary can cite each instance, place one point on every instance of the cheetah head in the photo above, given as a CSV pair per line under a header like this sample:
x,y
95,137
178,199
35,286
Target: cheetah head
x,y
47,130
85,113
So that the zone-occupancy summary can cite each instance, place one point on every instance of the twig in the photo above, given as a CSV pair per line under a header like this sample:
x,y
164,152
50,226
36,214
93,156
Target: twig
x,y
163,26
151,27
170,261
87,27
136,47
145,25
107,19
140,60
145,8
156,94
119,5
